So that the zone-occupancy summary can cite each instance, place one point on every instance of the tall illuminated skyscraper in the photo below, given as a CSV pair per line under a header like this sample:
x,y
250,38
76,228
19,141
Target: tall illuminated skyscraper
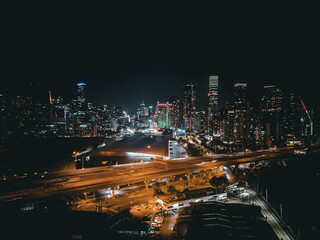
x,y
240,98
81,102
189,105
241,118
272,106
213,108
81,92
164,112
213,92
175,118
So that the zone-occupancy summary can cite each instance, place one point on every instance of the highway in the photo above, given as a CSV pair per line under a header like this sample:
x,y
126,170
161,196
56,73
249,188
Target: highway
x,y
90,179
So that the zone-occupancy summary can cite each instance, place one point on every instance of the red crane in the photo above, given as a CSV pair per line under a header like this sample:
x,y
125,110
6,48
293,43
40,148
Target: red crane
x,y
311,123
50,99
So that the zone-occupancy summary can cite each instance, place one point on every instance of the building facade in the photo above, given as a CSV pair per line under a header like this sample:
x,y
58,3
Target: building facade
x,y
189,106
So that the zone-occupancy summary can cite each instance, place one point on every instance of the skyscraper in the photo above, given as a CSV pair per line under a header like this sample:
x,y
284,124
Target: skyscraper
x,y
292,116
164,111
213,108
272,100
240,98
79,113
272,106
213,92
175,116
189,105
81,92
241,118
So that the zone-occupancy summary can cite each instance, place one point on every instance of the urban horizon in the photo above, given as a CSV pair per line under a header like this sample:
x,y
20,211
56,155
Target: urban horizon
x,y
159,121
77,110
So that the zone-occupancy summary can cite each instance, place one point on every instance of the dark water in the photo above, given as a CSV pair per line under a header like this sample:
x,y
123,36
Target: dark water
x,y
19,156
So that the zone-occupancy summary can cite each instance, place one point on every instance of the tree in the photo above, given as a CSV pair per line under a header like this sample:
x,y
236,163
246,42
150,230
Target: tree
x,y
171,189
157,189
192,150
219,182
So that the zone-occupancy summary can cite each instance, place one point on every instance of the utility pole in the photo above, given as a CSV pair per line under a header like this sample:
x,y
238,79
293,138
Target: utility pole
x,y
266,194
82,163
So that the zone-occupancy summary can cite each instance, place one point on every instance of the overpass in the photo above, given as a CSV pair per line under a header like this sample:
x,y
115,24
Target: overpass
x,y
118,175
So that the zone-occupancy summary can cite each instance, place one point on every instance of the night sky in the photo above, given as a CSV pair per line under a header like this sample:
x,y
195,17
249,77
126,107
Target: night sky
x,y
128,53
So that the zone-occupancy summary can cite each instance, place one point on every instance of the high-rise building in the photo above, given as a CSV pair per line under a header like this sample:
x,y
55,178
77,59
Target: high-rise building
x,y
240,98
150,110
213,107
164,112
272,100
213,92
292,116
202,122
81,92
241,118
189,105
272,105
81,102
175,116
144,112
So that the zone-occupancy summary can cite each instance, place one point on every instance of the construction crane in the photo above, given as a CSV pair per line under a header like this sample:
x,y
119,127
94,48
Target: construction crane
x,y
50,99
311,122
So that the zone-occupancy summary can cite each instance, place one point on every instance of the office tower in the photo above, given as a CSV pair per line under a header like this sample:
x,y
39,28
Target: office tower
x,y
202,122
240,99
213,108
271,107
175,116
81,102
189,105
241,118
150,110
213,92
81,92
272,100
164,111
292,115
144,112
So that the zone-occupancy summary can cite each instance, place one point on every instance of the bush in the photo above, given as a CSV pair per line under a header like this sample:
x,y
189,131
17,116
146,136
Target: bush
x,y
219,182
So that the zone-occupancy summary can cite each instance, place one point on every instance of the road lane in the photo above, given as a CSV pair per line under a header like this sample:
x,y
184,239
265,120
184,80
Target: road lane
x,y
104,177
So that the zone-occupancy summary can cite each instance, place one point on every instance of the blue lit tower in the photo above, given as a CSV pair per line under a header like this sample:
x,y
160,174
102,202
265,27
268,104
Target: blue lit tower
x,y
81,101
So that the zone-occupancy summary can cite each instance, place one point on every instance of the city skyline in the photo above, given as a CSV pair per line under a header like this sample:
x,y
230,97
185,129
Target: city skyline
x,y
131,102
147,120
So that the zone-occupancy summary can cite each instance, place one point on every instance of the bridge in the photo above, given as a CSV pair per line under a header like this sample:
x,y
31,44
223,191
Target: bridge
x,y
92,179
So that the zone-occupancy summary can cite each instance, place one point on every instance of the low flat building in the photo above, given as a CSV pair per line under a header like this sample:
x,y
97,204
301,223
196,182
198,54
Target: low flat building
x,y
215,220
